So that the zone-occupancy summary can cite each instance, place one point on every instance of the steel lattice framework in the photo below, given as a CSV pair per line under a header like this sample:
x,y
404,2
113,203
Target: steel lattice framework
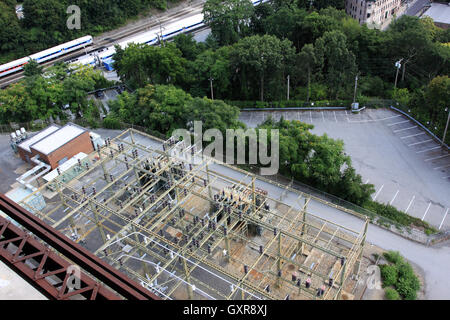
x,y
189,227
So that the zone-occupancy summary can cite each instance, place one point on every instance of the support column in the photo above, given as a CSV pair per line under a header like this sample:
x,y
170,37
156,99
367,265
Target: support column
x,y
279,260
357,266
188,280
97,221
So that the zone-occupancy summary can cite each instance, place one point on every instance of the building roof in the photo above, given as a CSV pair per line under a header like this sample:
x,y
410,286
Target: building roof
x,y
58,138
37,137
439,12
65,166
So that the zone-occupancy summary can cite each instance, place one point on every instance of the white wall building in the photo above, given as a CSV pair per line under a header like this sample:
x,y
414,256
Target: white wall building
x,y
375,13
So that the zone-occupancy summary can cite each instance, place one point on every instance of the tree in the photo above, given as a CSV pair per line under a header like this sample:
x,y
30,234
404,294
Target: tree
x,y
189,48
263,58
229,20
317,160
165,108
339,62
141,64
320,4
32,68
215,65
213,114
10,32
437,96
307,60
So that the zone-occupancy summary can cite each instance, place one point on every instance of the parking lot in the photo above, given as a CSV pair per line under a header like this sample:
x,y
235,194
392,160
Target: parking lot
x,y
408,169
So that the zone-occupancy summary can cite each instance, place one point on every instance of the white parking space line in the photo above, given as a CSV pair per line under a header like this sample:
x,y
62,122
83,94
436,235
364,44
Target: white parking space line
x,y
335,115
435,158
367,181
410,203
416,143
393,124
426,211
298,115
442,167
323,117
374,120
399,130
264,116
394,197
445,215
446,177
413,135
434,148
310,116
378,192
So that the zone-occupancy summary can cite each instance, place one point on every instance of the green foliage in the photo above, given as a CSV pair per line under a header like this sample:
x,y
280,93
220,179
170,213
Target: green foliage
x,y
228,18
43,96
393,214
112,123
389,274
44,23
141,64
165,108
262,61
393,257
318,160
32,68
399,275
392,294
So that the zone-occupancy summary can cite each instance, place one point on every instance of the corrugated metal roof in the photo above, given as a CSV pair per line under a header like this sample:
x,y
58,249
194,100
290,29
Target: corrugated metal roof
x,y
58,138
41,135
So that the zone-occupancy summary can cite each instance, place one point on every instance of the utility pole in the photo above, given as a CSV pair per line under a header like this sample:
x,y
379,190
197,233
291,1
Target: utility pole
x,y
288,78
446,127
398,65
212,91
356,87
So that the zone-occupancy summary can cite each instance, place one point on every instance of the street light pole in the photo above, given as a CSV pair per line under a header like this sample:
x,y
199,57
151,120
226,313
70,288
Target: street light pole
x,y
446,127
288,78
398,65
212,91
356,87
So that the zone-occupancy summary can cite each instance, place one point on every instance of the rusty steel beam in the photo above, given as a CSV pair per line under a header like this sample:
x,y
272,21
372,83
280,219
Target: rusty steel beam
x,y
87,261
46,271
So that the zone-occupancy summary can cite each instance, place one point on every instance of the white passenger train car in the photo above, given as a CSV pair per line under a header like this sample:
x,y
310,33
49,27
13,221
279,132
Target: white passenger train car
x,y
46,55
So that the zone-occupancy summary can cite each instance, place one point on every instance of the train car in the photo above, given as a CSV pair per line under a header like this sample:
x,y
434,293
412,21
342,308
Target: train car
x,y
151,37
46,55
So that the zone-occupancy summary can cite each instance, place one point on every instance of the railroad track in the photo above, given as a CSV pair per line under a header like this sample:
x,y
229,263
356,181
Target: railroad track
x,y
100,43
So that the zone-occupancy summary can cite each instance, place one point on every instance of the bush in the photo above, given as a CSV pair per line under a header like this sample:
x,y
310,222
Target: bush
x,y
392,294
399,275
111,123
407,287
393,257
392,213
389,274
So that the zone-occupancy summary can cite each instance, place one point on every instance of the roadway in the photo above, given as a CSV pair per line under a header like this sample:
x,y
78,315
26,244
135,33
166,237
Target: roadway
x,y
415,7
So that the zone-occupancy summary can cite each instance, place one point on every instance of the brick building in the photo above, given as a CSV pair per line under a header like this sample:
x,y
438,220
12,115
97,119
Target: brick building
x,y
55,145
372,12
